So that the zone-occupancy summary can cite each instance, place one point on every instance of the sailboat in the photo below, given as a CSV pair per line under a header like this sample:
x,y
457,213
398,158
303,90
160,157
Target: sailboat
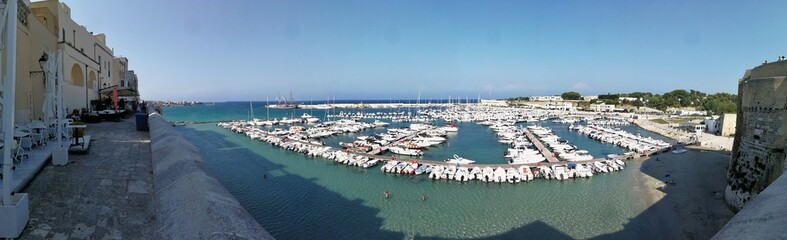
x,y
284,103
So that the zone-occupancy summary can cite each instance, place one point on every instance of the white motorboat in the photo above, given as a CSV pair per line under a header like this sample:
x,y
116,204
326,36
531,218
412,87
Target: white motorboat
x,y
513,176
378,123
370,163
527,174
421,169
459,160
600,167
462,174
476,173
388,166
560,172
406,151
437,172
449,172
499,175
488,174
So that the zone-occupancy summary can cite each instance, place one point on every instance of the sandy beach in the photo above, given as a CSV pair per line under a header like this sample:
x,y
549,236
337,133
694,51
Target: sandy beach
x,y
687,191
707,141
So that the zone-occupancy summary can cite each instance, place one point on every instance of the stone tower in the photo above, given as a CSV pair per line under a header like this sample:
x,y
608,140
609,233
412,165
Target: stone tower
x,y
758,154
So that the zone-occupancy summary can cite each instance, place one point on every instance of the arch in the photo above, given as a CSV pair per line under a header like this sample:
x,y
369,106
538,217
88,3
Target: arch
x,y
77,77
91,80
122,83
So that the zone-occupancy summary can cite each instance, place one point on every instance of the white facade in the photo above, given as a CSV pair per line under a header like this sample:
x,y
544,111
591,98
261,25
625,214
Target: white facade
x,y
546,98
630,99
712,124
487,102
588,98
602,107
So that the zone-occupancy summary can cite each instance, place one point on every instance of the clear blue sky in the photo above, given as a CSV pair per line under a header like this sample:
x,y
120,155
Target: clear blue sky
x,y
246,50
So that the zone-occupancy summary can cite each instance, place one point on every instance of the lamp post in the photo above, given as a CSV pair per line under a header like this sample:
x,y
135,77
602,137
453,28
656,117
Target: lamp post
x,y
41,62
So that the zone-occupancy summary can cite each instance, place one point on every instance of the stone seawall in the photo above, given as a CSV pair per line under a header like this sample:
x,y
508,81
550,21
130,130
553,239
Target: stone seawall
x,y
189,203
764,217
758,153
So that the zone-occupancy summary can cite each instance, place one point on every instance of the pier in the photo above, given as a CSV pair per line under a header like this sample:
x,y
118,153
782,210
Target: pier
x,y
540,146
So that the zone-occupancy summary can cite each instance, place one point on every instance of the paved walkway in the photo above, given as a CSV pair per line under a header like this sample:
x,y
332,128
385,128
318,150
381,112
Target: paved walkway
x,y
105,194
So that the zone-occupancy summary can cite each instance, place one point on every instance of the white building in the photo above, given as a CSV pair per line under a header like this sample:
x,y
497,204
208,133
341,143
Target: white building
x,y
712,124
602,107
546,98
589,98
486,102
630,99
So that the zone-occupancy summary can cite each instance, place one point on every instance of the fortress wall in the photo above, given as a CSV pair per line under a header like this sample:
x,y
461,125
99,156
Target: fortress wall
x,y
758,156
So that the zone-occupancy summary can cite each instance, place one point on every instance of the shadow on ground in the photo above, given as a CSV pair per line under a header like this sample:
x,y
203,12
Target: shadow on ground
x,y
699,177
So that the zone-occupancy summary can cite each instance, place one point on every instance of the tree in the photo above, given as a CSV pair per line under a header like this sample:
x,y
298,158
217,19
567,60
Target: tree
x,y
571,96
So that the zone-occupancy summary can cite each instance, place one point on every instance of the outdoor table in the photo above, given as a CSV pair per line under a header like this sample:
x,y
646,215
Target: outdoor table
x,y
37,126
76,139
20,133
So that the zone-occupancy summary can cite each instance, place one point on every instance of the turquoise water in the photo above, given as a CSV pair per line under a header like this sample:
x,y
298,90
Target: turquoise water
x,y
298,197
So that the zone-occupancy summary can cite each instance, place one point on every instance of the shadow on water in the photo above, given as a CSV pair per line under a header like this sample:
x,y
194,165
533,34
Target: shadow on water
x,y
534,230
287,205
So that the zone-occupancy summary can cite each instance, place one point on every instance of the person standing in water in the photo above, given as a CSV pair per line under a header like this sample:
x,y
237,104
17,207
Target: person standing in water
x,y
386,194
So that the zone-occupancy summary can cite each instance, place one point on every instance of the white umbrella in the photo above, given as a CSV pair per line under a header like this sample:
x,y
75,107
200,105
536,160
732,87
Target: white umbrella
x,y
49,96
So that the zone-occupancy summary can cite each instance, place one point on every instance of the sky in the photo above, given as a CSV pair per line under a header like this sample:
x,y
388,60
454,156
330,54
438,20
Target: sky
x,y
207,50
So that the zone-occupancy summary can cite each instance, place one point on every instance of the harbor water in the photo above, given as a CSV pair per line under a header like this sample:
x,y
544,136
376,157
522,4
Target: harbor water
x,y
299,197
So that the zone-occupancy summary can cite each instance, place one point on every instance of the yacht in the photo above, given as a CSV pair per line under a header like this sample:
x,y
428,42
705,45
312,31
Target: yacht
x,y
459,160
406,151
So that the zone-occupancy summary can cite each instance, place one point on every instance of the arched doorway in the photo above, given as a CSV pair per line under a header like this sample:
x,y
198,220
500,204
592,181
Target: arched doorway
x,y
77,77
91,80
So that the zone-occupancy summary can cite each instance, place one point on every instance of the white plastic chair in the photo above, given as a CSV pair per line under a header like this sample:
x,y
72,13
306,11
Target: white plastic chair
x,y
37,139
19,153
44,135
26,143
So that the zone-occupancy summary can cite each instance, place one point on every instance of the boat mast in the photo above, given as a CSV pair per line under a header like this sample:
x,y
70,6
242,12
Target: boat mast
x,y
251,111
268,109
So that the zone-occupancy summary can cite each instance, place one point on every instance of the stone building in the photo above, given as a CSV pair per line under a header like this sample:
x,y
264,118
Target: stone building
x,y
758,154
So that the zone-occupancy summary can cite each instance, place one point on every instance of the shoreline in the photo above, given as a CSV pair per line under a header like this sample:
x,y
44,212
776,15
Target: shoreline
x,y
694,204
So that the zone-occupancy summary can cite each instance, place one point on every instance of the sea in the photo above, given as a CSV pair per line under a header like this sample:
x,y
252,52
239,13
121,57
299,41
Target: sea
x,y
294,196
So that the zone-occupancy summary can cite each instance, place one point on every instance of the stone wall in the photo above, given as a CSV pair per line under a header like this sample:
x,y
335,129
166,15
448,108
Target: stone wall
x,y
758,154
189,203
765,217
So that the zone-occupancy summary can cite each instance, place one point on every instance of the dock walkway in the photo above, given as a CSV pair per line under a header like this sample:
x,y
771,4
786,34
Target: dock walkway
x,y
540,146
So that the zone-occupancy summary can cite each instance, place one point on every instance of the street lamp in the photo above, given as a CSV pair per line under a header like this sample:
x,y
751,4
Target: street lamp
x,y
41,62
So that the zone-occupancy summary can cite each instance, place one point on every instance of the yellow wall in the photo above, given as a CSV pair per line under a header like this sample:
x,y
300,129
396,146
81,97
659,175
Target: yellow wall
x,y
88,62
33,40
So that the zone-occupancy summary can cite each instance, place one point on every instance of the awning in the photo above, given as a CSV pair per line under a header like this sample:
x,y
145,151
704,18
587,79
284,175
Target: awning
x,y
122,92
